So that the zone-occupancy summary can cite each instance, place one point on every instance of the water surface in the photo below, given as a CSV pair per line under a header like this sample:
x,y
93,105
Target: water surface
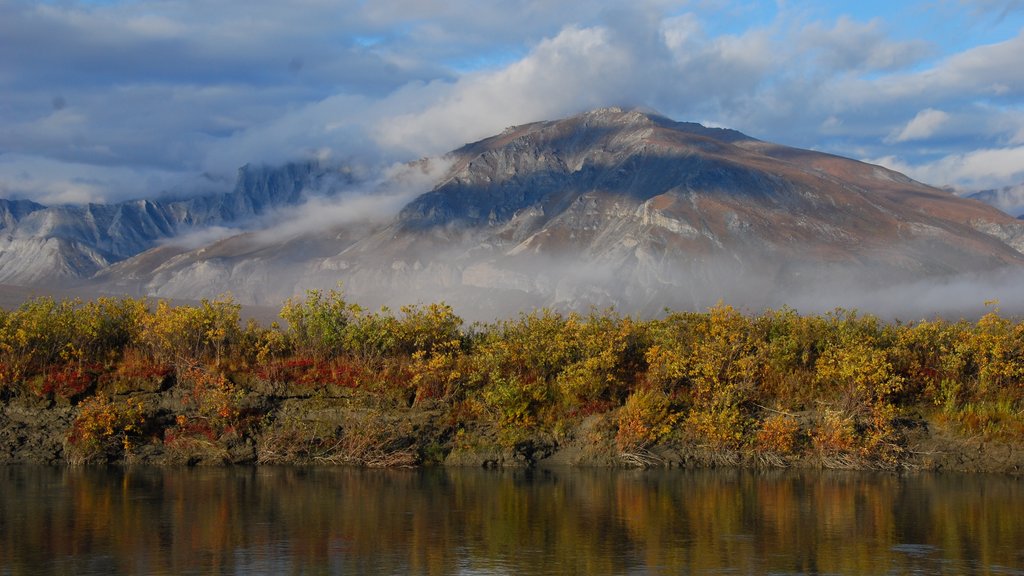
x,y
474,522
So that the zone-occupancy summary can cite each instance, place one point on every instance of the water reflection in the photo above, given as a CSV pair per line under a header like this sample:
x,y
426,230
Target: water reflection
x,y
347,521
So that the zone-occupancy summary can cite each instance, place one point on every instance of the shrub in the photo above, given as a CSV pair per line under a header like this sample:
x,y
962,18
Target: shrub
x,y
720,428
515,403
778,434
835,434
67,381
317,325
105,428
860,373
184,335
211,397
644,419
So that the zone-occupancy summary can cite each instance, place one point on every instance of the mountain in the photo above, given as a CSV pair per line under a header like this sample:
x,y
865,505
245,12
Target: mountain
x,y
613,207
1009,199
40,244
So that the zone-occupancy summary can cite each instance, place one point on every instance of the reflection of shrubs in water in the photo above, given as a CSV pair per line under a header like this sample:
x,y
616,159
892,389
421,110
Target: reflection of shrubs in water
x,y
774,387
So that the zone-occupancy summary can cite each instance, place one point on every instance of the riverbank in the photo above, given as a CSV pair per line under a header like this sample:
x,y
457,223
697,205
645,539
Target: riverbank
x,y
353,428
128,381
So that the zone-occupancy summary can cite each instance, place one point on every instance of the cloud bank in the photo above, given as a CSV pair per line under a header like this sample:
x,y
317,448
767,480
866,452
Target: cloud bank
x,y
112,100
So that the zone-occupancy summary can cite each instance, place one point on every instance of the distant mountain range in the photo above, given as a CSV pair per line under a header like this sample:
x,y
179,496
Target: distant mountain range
x,y
1009,199
64,244
610,207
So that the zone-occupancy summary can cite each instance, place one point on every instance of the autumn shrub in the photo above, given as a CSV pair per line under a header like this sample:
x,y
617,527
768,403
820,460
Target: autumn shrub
x,y
516,404
211,397
788,347
537,346
437,375
719,428
670,355
926,354
667,368
645,418
258,346
105,428
610,360
723,369
778,434
136,371
38,334
317,325
859,375
835,434
105,327
881,440
998,349
428,328
211,417
67,381
183,335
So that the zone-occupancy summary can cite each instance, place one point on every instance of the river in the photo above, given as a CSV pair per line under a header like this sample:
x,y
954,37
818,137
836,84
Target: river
x,y
474,522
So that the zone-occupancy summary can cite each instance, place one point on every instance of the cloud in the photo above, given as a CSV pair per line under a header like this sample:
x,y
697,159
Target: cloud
x,y
850,45
925,124
374,202
1000,8
54,182
577,69
174,88
974,170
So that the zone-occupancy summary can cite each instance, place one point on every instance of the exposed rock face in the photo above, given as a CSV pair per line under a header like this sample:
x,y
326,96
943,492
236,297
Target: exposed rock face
x,y
63,243
616,207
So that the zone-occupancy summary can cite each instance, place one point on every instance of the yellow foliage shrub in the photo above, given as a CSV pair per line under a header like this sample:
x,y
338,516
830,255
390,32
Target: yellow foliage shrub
x,y
778,433
644,419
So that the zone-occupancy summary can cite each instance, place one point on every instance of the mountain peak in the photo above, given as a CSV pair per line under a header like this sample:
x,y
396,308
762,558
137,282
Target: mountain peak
x,y
616,116
612,206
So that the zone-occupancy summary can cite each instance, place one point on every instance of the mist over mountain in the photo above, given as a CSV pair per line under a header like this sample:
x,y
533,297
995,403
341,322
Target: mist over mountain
x,y
1009,199
45,244
615,207
611,207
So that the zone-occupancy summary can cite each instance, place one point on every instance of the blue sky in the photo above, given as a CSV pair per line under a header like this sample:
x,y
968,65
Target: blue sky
x,y
119,99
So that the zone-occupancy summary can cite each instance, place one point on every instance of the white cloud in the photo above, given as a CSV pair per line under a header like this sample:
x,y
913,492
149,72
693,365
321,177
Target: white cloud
x,y
161,88
575,70
852,45
55,182
374,201
924,125
974,170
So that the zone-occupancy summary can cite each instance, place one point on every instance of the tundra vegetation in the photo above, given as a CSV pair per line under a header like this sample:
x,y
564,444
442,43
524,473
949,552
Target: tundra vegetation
x,y
134,380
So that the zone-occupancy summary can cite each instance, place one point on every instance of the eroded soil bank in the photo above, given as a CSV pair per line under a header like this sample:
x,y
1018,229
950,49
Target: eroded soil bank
x,y
349,427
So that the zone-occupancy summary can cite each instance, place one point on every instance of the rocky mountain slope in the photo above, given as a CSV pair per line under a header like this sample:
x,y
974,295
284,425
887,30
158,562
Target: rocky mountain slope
x,y
613,207
62,244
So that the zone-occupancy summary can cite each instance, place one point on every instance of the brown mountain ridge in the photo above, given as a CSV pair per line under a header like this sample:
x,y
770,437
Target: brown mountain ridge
x,y
614,207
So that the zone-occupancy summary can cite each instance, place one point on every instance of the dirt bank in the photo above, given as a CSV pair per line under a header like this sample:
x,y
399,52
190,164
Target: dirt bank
x,y
348,427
